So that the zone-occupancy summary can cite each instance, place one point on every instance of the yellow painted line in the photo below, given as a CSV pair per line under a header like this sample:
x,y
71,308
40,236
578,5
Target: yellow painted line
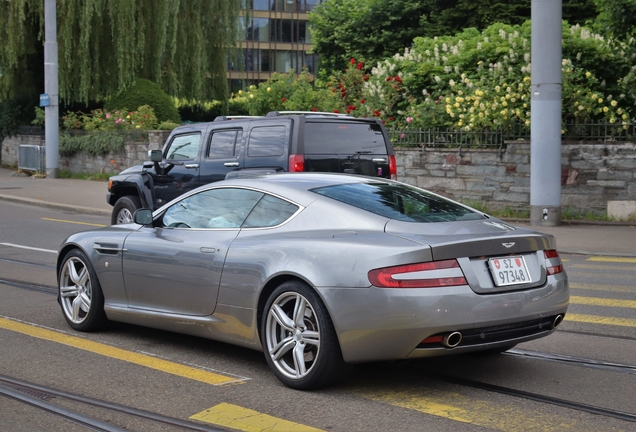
x,y
599,301
594,319
602,267
244,419
119,354
607,276
613,259
477,412
594,287
74,222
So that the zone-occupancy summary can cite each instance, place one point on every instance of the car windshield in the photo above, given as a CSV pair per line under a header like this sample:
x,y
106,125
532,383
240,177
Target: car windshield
x,y
399,201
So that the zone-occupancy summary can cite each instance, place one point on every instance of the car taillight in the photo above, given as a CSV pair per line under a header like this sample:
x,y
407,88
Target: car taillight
x,y
392,167
554,264
432,274
296,163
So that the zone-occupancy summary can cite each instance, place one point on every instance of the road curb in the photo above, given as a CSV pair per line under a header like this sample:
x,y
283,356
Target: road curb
x,y
57,206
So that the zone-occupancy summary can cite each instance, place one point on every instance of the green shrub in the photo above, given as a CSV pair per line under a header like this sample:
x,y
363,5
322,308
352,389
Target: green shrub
x,y
144,92
167,126
93,143
99,120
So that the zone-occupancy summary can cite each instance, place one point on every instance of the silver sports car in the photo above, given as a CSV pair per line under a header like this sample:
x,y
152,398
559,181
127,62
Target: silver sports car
x,y
319,271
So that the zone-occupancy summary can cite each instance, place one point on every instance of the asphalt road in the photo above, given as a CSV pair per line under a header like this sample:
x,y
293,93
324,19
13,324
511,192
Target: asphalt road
x,y
587,368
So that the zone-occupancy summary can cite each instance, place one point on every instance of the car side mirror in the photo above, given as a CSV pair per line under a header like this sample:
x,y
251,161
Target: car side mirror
x,y
143,216
155,155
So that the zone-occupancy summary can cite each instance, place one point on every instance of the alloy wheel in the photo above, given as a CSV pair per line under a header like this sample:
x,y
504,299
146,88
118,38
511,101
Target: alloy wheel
x,y
75,290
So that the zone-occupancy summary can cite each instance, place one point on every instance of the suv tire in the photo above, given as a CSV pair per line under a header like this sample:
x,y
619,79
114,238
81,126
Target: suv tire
x,y
124,209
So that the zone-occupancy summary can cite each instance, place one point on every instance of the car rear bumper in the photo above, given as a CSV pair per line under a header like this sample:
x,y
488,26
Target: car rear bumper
x,y
376,324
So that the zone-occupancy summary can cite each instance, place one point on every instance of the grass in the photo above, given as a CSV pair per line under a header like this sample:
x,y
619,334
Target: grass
x,y
567,214
65,174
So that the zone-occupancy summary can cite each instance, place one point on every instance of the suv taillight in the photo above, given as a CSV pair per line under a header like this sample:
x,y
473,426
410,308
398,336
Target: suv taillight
x,y
296,163
434,274
392,167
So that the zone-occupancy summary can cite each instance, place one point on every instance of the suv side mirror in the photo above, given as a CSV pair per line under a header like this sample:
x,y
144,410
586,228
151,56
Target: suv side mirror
x,y
155,155
143,216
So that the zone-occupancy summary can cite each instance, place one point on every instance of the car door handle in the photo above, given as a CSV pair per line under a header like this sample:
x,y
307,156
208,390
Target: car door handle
x,y
192,165
231,164
207,250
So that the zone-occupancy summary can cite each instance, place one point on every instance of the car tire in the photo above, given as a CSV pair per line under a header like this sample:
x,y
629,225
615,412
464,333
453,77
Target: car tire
x,y
80,294
311,335
124,209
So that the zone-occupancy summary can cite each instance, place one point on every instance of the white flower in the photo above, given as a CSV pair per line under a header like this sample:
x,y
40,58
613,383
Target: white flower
x,y
437,79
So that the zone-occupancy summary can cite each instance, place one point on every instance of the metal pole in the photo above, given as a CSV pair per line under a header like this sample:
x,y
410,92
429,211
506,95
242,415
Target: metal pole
x,y
545,114
51,123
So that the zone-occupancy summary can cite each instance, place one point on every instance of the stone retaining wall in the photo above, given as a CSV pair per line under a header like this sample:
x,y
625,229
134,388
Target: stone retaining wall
x,y
591,175
134,153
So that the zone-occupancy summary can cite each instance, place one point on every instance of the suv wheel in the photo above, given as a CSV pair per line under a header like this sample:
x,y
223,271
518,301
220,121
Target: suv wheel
x,y
124,209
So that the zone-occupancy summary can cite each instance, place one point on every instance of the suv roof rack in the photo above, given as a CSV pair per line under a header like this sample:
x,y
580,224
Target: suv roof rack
x,y
237,117
281,113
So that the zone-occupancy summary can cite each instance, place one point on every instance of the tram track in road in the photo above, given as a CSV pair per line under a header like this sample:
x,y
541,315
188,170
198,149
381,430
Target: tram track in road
x,y
479,385
40,397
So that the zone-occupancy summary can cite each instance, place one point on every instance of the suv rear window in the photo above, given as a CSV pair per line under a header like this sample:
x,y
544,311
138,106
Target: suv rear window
x,y
399,201
344,138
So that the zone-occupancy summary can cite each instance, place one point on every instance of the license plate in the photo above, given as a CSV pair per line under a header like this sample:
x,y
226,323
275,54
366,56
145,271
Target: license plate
x,y
509,270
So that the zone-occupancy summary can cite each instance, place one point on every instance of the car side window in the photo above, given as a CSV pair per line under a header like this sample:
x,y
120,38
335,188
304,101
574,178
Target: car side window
x,y
224,144
267,141
184,147
270,211
213,208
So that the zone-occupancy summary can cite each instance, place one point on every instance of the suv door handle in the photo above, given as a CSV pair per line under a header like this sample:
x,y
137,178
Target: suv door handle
x,y
379,160
231,164
192,165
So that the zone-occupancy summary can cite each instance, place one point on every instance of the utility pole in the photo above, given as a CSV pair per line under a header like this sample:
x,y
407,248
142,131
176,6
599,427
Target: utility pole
x,y
545,114
51,111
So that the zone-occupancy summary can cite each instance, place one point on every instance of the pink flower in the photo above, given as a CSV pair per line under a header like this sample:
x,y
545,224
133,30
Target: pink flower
x,y
402,136
107,115
409,119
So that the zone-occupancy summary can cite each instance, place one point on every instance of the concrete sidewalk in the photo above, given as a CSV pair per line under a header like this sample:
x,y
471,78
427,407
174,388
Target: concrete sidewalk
x,y
83,196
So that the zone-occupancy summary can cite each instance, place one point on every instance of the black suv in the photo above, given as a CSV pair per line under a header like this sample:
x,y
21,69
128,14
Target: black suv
x,y
202,153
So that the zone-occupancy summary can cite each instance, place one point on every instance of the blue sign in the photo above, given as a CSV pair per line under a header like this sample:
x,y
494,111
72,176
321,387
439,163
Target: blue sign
x,y
44,100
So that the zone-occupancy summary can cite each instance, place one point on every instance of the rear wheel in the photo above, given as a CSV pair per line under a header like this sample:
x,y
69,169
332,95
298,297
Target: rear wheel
x,y
80,294
299,340
124,209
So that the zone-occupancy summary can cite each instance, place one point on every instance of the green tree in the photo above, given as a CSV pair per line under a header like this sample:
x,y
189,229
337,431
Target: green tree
x,y
105,44
617,18
372,30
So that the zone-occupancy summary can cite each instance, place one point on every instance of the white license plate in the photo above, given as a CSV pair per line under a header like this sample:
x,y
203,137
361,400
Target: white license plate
x,y
509,270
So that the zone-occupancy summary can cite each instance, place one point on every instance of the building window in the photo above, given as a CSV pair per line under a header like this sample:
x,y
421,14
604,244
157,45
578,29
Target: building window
x,y
263,4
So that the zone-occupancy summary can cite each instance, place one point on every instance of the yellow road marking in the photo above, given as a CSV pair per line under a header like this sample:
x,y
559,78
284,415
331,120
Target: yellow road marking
x,y
478,412
615,288
119,354
613,259
594,319
74,222
599,301
244,419
602,267
608,276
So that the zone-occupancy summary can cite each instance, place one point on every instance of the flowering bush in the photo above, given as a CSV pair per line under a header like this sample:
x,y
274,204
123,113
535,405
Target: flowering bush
x,y
118,120
470,80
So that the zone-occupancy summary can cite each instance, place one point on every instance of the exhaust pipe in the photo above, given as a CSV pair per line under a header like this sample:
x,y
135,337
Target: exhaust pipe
x,y
451,340
557,320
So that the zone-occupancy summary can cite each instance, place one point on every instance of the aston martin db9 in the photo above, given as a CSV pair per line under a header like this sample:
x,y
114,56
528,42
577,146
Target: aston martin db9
x,y
319,271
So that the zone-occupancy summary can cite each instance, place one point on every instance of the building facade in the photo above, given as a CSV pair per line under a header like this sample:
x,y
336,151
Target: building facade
x,y
277,39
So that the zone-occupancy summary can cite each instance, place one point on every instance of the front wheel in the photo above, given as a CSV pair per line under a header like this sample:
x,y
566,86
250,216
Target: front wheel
x,y
124,209
299,340
80,294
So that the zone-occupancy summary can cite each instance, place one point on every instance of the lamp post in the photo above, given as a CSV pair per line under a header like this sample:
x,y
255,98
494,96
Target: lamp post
x,y
51,123
545,114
